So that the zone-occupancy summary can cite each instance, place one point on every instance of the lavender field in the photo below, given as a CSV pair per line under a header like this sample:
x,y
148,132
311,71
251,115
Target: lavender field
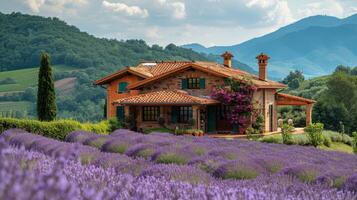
x,y
129,165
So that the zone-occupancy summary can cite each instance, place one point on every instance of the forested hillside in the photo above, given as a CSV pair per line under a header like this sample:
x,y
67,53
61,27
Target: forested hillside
x,y
76,56
24,37
336,97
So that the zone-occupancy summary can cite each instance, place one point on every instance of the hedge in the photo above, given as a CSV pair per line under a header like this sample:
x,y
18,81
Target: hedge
x,y
55,129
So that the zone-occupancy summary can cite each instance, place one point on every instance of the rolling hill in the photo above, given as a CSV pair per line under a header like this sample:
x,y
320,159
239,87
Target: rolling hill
x,y
78,59
315,45
24,37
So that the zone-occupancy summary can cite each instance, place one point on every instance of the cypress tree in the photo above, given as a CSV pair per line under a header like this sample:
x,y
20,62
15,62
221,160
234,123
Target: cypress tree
x,y
46,97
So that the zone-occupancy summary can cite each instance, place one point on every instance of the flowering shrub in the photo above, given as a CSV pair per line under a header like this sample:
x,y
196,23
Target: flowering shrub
x,y
269,171
239,95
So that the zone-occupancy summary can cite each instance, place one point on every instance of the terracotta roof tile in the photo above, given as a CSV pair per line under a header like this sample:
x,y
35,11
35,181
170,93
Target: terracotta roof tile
x,y
288,99
169,97
154,70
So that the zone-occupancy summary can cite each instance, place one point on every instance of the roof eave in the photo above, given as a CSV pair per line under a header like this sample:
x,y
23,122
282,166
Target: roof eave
x,y
109,78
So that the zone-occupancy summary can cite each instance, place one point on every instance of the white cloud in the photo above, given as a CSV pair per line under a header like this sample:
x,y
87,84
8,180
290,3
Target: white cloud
x,y
281,14
260,3
277,11
179,10
35,5
56,6
161,2
128,10
328,7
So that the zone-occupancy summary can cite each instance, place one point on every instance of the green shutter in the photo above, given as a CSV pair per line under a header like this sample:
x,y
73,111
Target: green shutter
x,y
202,83
184,83
174,114
122,87
120,112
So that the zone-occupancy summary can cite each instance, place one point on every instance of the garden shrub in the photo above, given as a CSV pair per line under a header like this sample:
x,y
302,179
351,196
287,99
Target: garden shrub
x,y
314,133
327,141
354,142
114,124
286,133
57,129
338,137
272,139
252,134
301,139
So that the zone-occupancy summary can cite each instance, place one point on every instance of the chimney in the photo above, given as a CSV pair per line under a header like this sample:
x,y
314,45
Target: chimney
x,y
263,62
227,59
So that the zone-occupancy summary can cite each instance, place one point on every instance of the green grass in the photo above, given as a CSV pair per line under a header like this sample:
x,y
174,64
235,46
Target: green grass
x,y
25,78
338,143
15,105
338,146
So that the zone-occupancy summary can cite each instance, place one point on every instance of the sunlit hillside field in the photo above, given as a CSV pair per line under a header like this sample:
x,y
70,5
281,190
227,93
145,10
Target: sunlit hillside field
x,y
25,78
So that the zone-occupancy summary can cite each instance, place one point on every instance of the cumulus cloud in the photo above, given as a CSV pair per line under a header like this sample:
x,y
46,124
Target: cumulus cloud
x,y
277,11
179,10
35,5
56,6
128,10
328,7
261,3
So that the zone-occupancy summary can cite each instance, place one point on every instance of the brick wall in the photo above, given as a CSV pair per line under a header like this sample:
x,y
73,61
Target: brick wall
x,y
112,92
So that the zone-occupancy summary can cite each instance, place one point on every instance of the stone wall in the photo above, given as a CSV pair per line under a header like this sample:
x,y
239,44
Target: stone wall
x,y
174,82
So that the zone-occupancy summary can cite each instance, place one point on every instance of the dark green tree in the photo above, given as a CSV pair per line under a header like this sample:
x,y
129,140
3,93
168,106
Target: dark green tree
x,y
294,79
46,97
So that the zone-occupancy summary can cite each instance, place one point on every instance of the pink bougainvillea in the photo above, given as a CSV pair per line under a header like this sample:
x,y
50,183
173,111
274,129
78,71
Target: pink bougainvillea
x,y
238,95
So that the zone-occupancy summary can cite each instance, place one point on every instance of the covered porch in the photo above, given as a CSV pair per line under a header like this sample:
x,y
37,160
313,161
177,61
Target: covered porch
x,y
170,108
291,100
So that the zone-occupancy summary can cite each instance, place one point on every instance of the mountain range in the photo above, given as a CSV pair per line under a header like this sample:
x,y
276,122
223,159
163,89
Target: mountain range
x,y
314,45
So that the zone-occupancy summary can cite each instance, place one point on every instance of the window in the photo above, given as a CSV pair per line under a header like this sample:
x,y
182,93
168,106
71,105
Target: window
x,y
185,114
122,87
193,83
151,113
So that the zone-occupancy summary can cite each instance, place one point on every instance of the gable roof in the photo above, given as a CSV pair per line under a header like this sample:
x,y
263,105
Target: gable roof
x,y
166,97
212,68
154,71
131,70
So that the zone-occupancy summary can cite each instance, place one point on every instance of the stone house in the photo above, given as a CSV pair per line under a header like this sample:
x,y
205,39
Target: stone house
x,y
178,92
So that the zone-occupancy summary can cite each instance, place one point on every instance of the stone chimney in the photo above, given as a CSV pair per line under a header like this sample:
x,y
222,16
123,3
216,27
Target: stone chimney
x,y
227,59
263,62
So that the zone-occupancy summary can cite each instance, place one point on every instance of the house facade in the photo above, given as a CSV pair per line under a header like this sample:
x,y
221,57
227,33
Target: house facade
x,y
177,93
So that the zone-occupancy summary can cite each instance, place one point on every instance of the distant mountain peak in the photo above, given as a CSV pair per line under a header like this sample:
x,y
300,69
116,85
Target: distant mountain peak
x,y
316,44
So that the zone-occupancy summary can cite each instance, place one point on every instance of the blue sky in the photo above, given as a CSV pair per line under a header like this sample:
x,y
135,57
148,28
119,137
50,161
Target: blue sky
x,y
209,22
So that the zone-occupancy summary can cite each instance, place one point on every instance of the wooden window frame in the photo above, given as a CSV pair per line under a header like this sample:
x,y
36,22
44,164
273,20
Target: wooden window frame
x,y
151,113
126,90
184,114
193,83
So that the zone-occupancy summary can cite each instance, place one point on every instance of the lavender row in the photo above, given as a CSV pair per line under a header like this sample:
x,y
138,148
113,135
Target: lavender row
x,y
236,159
43,177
